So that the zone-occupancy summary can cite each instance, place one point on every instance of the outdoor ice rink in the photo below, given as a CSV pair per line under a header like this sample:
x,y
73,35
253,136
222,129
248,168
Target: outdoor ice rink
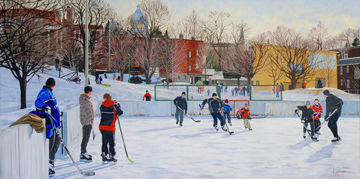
x,y
274,149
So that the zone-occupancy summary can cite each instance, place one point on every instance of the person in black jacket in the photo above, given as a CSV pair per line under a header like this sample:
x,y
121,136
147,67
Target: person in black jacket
x,y
215,105
306,118
333,103
181,108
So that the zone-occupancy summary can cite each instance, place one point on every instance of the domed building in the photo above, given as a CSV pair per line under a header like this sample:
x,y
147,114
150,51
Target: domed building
x,y
139,20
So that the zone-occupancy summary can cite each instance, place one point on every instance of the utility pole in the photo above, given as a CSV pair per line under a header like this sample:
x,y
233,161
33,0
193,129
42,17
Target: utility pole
x,y
86,43
109,47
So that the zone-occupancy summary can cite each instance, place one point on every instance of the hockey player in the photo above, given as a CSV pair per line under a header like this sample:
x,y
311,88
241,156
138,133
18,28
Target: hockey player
x,y
226,111
181,107
110,111
147,96
333,103
45,100
244,113
306,118
215,105
86,120
318,112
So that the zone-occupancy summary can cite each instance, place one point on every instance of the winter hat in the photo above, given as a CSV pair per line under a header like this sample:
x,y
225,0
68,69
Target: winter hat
x,y
214,94
226,101
88,89
326,92
307,103
246,104
183,93
50,82
147,90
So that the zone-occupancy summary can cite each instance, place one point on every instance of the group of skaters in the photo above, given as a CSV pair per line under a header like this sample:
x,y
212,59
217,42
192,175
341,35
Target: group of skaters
x,y
218,109
111,110
311,114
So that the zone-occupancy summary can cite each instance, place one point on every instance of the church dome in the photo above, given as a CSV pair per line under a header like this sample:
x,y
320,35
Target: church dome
x,y
138,16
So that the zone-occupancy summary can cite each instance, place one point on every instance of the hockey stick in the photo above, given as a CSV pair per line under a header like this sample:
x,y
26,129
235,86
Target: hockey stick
x,y
327,119
187,115
85,173
228,129
122,136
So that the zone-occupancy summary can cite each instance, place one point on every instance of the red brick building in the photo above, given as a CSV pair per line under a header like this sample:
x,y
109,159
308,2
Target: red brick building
x,y
348,69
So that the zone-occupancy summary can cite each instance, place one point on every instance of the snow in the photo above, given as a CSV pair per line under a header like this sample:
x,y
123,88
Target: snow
x,y
66,93
274,149
312,93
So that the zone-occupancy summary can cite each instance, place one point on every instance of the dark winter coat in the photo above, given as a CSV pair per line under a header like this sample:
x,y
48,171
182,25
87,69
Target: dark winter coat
x,y
110,110
307,114
181,103
214,105
332,103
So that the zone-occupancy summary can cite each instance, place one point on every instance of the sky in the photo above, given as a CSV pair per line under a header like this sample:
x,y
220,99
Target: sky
x,y
264,15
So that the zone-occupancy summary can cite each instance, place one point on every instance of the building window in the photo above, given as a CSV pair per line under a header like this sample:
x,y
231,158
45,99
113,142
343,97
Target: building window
x,y
197,52
179,77
347,69
103,61
197,66
347,83
346,55
189,67
341,70
189,54
341,82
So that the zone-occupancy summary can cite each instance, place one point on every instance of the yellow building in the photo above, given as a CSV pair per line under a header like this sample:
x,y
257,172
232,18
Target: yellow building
x,y
320,64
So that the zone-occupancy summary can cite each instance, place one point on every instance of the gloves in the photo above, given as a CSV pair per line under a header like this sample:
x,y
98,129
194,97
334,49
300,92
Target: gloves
x,y
302,121
57,130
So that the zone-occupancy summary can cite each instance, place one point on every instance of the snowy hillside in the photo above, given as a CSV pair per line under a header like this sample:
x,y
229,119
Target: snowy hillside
x,y
67,93
312,93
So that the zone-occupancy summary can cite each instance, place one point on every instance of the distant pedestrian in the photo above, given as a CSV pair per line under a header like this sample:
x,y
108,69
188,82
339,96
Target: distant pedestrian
x,y
100,80
147,96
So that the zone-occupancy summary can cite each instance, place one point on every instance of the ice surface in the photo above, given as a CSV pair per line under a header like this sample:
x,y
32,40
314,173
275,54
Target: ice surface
x,y
274,149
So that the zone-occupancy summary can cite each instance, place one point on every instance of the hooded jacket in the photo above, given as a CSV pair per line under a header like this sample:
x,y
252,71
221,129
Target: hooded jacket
x,y
46,99
215,105
332,103
86,109
110,111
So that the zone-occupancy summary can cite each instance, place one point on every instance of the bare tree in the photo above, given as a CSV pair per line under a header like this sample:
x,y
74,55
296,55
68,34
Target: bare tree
x,y
273,72
216,30
28,38
156,17
291,55
318,36
99,13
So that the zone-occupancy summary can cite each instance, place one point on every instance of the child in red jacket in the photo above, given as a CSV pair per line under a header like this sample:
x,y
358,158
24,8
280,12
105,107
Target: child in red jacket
x,y
244,113
318,111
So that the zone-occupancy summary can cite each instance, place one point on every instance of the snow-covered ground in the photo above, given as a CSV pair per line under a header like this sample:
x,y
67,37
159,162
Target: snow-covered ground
x,y
274,149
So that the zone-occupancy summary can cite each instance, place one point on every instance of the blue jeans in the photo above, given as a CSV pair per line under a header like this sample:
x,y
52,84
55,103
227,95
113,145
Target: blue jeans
x,y
332,123
312,127
217,116
227,116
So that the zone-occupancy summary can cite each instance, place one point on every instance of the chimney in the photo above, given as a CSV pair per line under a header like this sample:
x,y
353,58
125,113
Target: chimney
x,y
181,36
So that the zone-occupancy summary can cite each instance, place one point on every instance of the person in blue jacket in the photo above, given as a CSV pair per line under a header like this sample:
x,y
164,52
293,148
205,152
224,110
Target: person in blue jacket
x,y
43,102
226,111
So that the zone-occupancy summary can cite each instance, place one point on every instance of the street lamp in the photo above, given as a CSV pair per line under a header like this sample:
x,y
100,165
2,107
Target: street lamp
x,y
86,43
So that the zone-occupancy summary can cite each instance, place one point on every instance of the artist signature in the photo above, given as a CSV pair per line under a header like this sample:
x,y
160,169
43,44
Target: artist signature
x,y
338,171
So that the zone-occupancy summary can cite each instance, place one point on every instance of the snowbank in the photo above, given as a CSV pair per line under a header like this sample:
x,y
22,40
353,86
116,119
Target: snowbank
x,y
312,93
23,153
